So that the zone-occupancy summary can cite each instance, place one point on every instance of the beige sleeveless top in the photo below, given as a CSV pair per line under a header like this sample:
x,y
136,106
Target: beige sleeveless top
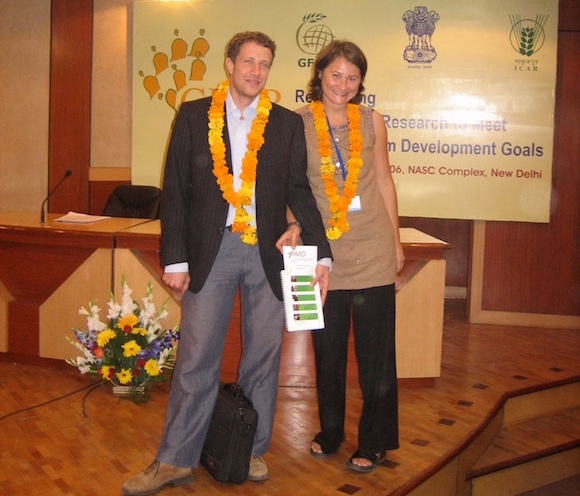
x,y
364,257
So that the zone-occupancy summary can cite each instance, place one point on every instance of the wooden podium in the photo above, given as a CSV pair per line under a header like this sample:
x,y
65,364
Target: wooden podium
x,y
420,300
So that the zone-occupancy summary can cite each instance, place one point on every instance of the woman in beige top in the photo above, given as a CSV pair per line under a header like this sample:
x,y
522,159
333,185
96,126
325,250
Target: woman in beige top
x,y
350,176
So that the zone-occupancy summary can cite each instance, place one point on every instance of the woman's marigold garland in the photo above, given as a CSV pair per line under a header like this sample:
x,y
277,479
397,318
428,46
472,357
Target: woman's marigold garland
x,y
239,199
338,204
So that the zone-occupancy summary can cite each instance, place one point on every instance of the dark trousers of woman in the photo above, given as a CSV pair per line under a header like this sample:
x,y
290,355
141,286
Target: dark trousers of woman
x,y
373,316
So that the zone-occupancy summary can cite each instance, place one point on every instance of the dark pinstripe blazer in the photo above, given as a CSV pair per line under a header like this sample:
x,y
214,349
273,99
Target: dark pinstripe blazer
x,y
193,211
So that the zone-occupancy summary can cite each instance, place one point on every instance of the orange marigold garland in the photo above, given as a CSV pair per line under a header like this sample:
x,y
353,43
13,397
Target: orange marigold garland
x,y
225,180
338,204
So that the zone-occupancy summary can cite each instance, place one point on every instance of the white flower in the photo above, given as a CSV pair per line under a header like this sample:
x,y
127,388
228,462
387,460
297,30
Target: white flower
x,y
114,309
151,334
83,364
128,306
84,369
164,313
93,321
147,315
163,357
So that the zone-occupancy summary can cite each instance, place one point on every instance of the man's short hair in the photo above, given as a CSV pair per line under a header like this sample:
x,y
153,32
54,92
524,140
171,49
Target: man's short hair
x,y
235,44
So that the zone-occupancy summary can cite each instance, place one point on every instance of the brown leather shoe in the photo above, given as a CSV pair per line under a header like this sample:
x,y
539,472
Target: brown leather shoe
x,y
258,469
156,477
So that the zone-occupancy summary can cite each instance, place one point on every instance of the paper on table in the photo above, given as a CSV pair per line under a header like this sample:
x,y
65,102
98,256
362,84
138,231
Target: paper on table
x,y
79,218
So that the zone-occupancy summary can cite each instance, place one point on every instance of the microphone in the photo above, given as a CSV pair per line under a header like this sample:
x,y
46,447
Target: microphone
x,y
66,174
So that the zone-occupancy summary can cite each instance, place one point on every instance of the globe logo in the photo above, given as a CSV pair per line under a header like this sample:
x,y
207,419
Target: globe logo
x,y
312,39
316,38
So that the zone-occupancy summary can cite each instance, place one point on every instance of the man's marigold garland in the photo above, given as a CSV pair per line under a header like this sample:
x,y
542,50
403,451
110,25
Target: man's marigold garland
x,y
239,199
338,204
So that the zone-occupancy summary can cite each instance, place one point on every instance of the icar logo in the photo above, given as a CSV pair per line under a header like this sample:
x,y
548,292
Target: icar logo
x,y
527,36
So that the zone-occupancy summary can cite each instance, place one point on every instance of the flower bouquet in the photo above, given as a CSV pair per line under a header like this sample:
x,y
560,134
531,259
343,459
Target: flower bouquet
x,y
132,349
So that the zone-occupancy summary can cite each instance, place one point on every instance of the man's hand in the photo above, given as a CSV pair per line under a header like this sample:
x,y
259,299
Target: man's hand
x,y
323,277
177,281
289,238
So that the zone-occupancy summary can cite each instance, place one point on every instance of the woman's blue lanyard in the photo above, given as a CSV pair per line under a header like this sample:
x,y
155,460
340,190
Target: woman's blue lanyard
x,y
338,154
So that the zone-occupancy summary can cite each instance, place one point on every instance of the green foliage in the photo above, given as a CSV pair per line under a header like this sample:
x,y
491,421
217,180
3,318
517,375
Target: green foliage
x,y
527,41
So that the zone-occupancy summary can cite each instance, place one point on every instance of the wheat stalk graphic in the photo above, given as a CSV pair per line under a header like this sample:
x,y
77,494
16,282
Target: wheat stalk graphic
x,y
528,38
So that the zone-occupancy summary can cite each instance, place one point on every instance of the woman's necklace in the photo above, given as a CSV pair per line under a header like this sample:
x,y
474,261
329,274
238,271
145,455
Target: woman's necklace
x,y
338,204
243,197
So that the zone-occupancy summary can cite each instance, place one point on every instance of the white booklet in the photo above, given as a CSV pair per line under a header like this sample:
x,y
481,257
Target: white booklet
x,y
302,303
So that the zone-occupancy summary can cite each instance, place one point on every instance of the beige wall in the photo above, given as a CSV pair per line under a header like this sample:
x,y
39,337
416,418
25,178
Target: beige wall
x,y
24,96
111,84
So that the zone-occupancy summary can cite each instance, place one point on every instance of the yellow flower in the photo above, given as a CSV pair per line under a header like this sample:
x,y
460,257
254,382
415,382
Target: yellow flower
x,y
131,348
333,233
127,321
224,178
106,372
338,204
249,236
125,376
139,330
105,336
151,367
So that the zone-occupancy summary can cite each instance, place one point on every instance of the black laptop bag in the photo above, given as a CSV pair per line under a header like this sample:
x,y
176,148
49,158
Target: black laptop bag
x,y
228,445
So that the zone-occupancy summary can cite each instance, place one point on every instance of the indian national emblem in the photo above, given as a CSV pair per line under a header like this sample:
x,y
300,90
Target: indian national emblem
x,y
420,25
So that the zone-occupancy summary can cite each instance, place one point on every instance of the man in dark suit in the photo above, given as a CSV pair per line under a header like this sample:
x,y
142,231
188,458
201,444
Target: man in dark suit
x,y
223,210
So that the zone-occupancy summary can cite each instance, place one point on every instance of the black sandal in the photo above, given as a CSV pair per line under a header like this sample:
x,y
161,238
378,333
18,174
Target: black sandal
x,y
327,448
371,457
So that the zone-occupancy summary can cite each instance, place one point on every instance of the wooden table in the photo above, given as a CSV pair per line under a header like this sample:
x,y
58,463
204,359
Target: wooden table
x,y
47,271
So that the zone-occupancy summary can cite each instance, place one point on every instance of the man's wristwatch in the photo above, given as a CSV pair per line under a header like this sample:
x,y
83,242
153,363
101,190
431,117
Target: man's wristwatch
x,y
296,223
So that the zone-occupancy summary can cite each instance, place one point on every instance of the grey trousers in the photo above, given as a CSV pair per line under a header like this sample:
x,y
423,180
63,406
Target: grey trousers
x,y
205,319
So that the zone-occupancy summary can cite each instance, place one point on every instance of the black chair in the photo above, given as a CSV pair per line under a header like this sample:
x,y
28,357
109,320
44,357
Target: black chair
x,y
134,201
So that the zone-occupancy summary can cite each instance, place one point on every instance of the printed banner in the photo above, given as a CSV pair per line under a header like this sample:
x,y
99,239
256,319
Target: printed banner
x,y
466,88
